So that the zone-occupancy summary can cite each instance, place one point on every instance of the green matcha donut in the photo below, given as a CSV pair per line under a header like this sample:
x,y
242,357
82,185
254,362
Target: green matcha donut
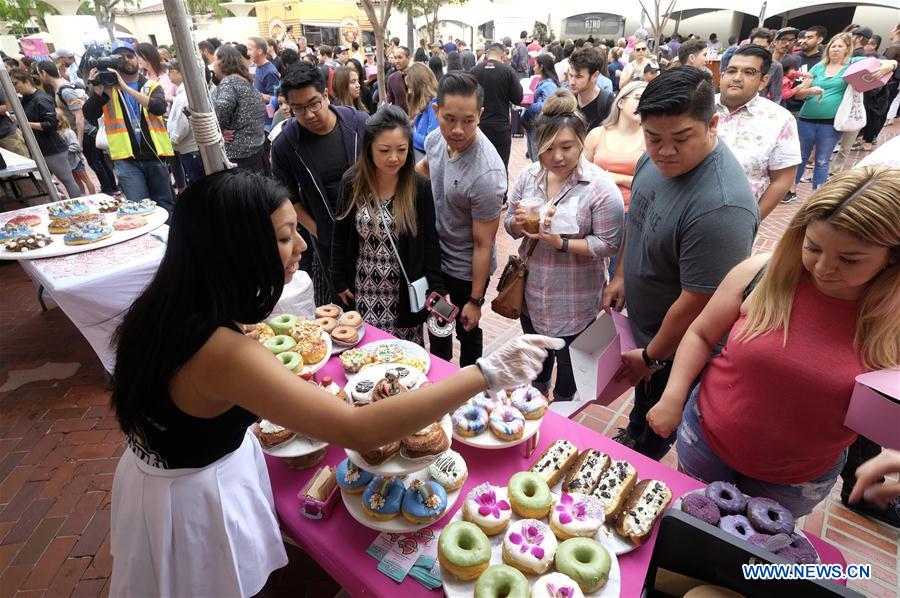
x,y
464,550
502,581
584,560
282,324
280,343
529,495
291,360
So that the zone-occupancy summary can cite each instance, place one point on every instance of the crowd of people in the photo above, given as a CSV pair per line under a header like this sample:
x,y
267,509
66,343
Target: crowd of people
x,y
650,186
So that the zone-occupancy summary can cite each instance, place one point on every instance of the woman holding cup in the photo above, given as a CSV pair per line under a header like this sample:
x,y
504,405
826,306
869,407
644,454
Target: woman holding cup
x,y
572,215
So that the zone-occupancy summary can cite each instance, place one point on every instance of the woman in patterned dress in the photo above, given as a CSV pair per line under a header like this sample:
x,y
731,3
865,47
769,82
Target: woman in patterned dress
x,y
382,193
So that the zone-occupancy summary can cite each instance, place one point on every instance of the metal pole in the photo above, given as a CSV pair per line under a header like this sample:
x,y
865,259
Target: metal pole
x,y
213,155
12,98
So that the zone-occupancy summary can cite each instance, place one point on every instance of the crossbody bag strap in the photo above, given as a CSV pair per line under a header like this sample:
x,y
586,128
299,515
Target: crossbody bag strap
x,y
390,237
547,220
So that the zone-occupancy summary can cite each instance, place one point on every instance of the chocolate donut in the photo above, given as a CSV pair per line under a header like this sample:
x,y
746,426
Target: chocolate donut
x,y
701,507
737,525
727,497
768,516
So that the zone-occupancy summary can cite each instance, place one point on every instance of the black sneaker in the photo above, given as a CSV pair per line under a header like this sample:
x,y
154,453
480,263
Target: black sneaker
x,y
624,439
789,197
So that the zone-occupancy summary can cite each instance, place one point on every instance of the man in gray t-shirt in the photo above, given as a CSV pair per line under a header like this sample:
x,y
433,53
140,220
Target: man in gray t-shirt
x,y
692,218
468,182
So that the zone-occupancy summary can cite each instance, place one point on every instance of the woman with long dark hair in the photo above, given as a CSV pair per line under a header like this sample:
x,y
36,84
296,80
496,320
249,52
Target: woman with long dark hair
x,y
346,88
546,87
192,506
437,67
155,69
388,217
240,110
365,92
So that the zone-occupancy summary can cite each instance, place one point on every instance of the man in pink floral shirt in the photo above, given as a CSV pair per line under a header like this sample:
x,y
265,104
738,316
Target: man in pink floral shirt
x,y
761,134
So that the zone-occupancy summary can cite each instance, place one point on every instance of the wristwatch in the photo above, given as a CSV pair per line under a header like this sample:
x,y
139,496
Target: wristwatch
x,y
565,246
654,364
478,302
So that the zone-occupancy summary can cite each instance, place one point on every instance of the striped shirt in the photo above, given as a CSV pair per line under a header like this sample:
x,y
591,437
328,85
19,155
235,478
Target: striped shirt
x,y
563,290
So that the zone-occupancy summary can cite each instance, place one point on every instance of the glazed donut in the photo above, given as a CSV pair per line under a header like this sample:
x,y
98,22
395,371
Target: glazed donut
x,y
483,508
291,360
327,324
586,561
346,335
507,423
530,402
280,343
464,551
428,441
727,497
768,516
351,318
737,525
529,546
469,420
500,581
556,585
529,495
328,311
282,324
351,478
701,507
424,502
382,498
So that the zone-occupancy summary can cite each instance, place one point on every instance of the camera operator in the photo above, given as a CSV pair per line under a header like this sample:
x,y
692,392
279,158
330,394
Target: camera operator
x,y
132,108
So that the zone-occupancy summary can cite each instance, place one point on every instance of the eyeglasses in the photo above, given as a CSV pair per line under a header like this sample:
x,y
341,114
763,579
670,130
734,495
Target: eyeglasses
x,y
640,49
311,108
732,71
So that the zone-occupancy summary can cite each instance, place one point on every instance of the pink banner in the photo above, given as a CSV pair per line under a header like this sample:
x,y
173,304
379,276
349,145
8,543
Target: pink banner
x,y
32,47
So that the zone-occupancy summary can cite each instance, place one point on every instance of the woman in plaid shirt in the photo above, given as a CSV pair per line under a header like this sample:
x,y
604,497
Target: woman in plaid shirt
x,y
567,271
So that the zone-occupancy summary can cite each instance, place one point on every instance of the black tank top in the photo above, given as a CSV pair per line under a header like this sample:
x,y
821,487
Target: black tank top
x,y
169,438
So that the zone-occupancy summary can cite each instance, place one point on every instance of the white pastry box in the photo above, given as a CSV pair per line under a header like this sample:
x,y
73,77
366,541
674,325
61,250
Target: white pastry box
x,y
597,356
874,409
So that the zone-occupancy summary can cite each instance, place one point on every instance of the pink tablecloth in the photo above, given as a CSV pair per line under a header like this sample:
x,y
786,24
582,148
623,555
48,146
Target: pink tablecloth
x,y
339,543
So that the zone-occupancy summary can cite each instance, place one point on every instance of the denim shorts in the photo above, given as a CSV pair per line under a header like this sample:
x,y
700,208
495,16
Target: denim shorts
x,y
697,459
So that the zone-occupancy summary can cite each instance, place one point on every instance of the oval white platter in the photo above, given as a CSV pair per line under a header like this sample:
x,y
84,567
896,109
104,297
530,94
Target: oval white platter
x,y
454,588
399,524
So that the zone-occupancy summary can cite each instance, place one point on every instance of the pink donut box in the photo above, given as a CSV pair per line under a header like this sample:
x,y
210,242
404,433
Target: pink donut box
x,y
874,409
859,75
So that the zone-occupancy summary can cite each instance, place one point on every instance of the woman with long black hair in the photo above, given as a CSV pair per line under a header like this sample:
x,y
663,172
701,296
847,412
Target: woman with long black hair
x,y
192,506
546,87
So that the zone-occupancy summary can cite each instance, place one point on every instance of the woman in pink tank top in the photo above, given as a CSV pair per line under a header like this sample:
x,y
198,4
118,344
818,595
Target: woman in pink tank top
x,y
770,408
617,144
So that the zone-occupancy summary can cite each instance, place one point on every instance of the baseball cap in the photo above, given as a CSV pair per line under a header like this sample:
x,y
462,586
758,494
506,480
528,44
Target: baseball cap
x,y
340,49
369,50
61,53
121,44
865,32
785,30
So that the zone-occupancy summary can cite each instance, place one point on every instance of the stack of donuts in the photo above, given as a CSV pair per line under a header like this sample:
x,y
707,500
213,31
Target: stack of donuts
x,y
552,537
296,342
504,416
760,521
342,326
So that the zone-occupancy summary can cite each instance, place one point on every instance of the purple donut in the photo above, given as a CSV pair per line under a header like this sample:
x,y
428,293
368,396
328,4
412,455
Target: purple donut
x,y
701,507
727,497
768,516
800,551
737,525
759,540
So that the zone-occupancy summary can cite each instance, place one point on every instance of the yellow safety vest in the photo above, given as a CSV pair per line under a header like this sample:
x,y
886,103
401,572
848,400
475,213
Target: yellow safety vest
x,y
117,133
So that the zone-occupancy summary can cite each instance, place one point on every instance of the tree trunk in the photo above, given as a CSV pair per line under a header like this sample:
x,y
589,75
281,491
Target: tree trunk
x,y
379,26
410,31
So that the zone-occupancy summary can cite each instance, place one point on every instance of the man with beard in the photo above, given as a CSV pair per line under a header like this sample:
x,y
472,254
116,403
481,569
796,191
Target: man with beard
x,y
133,111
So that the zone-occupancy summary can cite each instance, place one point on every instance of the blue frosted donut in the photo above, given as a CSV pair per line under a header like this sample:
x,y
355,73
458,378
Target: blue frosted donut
x,y
424,502
737,525
11,231
382,498
469,420
768,516
350,477
727,497
69,207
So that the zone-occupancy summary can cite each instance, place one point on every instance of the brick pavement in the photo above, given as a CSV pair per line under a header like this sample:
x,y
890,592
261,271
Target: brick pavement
x,y
59,444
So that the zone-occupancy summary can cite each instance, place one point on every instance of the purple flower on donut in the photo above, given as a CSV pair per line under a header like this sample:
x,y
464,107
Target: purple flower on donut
x,y
561,591
569,509
489,505
529,540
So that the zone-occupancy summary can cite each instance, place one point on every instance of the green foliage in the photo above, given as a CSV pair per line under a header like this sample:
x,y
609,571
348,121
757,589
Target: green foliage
x,y
16,14
428,9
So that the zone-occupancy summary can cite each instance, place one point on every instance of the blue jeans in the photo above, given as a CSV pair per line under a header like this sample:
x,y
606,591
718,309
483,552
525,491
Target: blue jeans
x,y
697,459
824,137
140,179
192,166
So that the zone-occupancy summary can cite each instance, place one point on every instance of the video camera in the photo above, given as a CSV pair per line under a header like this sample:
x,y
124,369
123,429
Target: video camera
x,y
105,66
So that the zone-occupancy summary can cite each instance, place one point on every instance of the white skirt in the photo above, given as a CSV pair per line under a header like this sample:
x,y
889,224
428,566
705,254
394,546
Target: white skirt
x,y
209,531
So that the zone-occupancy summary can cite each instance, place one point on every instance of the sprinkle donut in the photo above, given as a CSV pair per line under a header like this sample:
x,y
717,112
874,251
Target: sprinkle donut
x,y
507,423
469,420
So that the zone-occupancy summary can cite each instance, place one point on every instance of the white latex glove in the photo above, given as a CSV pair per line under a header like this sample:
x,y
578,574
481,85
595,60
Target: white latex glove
x,y
517,362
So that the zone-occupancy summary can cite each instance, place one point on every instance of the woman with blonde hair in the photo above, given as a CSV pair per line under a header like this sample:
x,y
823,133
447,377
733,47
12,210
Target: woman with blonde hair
x,y
826,301
346,88
566,267
386,234
422,95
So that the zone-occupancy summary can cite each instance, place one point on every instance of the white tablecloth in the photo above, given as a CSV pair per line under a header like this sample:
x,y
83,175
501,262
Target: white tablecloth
x,y
15,164
95,288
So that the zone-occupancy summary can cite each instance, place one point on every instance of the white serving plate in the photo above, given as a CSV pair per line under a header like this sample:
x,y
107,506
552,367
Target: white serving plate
x,y
411,349
298,446
315,367
488,440
399,524
338,348
454,588
58,248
